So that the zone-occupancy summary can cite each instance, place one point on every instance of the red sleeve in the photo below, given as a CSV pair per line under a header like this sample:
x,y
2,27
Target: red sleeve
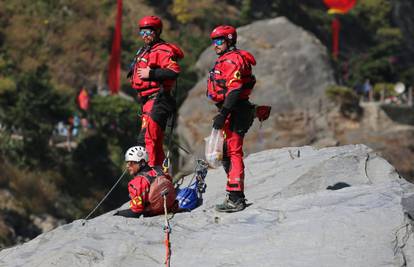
x,y
232,76
168,61
138,189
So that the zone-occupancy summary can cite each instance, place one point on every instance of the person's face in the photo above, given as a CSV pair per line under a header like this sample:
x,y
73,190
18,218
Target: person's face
x,y
133,167
220,45
147,35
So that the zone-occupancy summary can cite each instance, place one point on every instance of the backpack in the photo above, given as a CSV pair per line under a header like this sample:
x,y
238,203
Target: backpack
x,y
160,184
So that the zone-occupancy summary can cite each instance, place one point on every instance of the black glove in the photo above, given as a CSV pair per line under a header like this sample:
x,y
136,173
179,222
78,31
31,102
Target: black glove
x,y
127,213
218,121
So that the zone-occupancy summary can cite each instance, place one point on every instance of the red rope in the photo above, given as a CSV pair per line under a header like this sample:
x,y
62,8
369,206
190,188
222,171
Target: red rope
x,y
167,248
167,231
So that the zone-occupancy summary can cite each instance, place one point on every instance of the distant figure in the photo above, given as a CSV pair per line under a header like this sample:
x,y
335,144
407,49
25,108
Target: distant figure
x,y
76,124
229,86
367,90
153,73
61,129
83,102
147,186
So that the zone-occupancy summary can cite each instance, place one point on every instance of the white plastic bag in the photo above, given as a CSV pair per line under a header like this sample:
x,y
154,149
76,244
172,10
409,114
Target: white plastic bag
x,y
214,148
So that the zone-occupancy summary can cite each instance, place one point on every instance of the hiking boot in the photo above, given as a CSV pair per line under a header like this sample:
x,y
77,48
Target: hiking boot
x,y
230,205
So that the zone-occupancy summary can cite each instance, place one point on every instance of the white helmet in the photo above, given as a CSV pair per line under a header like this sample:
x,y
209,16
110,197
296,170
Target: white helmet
x,y
136,153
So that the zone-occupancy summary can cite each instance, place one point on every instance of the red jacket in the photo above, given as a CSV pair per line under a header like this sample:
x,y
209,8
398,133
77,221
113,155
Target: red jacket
x,y
161,55
138,189
145,192
231,71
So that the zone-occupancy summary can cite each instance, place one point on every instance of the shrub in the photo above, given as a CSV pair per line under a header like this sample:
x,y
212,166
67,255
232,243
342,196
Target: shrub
x,y
347,100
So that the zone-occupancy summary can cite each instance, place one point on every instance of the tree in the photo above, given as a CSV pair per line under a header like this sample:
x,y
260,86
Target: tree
x,y
31,110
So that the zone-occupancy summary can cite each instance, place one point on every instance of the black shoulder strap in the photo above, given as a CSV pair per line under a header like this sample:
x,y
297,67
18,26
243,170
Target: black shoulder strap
x,y
149,178
158,170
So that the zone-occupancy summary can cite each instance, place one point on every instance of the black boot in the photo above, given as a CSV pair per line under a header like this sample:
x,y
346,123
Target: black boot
x,y
234,201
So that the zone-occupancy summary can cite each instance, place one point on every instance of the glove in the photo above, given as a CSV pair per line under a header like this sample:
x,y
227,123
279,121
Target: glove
x,y
127,213
218,121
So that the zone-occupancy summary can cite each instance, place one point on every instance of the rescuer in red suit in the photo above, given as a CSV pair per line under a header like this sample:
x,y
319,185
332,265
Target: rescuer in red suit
x,y
229,85
153,74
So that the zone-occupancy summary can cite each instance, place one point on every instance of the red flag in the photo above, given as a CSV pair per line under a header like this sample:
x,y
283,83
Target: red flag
x,y
336,27
114,71
339,6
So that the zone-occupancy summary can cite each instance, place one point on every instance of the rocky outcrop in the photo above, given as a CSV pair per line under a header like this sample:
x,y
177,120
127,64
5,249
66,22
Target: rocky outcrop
x,y
379,130
292,73
338,206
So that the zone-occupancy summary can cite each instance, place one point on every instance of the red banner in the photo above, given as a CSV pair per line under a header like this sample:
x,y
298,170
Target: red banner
x,y
339,6
114,70
336,27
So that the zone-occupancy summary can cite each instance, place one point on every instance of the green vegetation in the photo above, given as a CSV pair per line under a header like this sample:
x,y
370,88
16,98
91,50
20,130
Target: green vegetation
x,y
347,100
31,109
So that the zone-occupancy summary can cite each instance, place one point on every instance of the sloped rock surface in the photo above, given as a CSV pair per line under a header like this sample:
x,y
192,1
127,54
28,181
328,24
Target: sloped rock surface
x,y
339,206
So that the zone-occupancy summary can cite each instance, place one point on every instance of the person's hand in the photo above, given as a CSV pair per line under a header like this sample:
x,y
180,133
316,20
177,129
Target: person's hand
x,y
143,73
218,121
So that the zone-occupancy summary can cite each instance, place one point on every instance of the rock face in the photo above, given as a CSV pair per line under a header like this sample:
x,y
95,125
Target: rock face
x,y
339,206
379,129
292,72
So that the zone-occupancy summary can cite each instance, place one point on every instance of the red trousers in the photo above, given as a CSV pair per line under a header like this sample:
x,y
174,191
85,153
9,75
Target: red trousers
x,y
233,159
151,136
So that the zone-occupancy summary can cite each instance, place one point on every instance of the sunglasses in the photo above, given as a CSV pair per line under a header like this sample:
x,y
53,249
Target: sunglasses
x,y
145,32
218,41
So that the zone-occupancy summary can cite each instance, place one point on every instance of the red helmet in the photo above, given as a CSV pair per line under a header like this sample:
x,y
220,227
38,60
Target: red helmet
x,y
150,22
225,31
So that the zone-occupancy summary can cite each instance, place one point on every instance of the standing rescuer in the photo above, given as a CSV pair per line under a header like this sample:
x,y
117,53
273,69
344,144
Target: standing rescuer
x,y
153,74
229,85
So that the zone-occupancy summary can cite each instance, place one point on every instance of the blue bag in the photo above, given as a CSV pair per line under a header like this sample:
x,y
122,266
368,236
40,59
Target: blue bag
x,y
188,198
191,196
